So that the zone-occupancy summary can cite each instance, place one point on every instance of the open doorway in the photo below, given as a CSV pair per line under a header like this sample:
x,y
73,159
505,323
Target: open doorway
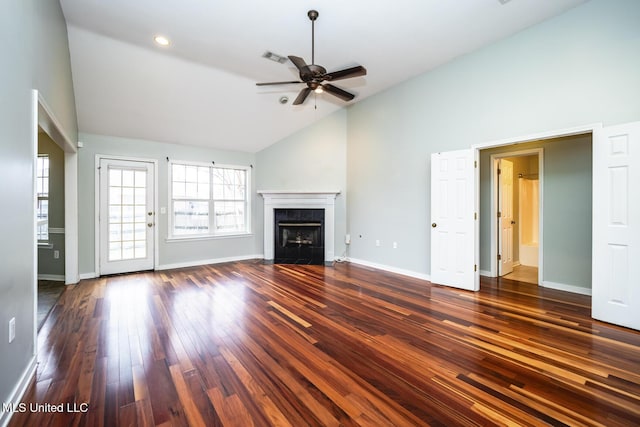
x,y
50,224
517,213
565,209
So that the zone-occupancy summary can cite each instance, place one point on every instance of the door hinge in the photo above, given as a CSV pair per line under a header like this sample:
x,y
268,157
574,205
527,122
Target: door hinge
x,y
475,163
499,171
475,215
475,267
499,214
499,257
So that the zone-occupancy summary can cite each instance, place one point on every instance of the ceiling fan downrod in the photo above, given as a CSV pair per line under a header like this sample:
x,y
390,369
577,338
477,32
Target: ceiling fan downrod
x,y
313,15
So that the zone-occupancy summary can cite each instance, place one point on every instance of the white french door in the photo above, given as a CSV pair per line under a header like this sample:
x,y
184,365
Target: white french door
x,y
126,217
453,220
505,216
616,225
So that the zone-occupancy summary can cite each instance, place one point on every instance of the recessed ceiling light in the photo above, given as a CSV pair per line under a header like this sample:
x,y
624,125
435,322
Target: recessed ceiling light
x,y
161,40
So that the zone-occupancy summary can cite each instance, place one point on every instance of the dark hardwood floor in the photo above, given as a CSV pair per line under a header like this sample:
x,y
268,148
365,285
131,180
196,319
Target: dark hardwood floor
x,y
243,344
48,293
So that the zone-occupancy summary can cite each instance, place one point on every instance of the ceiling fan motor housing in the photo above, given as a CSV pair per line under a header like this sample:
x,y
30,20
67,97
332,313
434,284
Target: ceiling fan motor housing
x,y
312,72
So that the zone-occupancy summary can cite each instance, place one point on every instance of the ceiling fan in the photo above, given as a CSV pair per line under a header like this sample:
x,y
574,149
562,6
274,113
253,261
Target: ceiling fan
x,y
314,75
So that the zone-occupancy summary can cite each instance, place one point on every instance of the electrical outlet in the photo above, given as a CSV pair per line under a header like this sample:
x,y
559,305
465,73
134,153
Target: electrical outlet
x,y
395,245
56,254
377,242
12,329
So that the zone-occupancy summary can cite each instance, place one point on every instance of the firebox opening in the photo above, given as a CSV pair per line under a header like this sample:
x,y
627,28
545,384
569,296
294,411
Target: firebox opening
x,y
299,236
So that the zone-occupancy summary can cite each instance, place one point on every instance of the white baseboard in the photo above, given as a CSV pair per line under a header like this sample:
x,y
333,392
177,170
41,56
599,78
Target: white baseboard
x,y
18,391
485,273
567,288
52,277
390,269
86,276
207,261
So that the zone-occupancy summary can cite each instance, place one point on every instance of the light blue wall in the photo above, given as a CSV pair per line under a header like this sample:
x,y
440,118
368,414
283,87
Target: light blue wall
x,y
313,159
581,67
170,253
34,55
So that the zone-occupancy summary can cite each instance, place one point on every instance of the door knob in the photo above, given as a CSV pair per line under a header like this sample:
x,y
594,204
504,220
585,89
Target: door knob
x,y
150,224
513,223
434,225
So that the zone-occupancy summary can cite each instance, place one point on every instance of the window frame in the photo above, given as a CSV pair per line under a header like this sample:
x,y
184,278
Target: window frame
x,y
41,197
212,233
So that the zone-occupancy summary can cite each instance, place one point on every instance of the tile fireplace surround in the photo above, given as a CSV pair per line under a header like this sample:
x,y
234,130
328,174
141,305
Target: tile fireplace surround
x,y
299,200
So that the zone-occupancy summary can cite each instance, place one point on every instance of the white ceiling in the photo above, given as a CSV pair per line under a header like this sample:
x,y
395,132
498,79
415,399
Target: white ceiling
x,y
201,89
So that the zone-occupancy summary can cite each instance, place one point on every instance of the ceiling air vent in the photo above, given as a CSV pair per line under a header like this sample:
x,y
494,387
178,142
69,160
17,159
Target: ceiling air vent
x,y
275,57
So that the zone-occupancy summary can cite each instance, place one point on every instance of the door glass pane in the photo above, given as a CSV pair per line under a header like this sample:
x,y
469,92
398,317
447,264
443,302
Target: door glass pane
x,y
140,213
141,179
127,214
140,249
127,178
115,251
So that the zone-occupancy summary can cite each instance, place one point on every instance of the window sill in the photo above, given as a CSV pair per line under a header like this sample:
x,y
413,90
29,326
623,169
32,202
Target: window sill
x,y
175,239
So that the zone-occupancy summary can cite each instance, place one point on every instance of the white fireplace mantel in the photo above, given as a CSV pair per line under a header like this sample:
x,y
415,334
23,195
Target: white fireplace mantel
x,y
274,199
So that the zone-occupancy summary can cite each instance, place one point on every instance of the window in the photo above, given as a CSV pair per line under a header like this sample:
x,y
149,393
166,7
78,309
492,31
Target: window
x,y
208,200
42,193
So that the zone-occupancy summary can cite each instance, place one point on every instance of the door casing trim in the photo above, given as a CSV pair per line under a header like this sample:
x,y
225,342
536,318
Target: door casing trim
x,y
494,205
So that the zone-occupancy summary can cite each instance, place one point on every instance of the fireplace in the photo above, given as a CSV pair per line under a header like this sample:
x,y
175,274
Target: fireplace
x,y
302,200
299,236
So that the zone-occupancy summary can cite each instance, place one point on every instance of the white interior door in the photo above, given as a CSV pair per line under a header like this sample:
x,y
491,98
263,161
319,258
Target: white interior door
x,y
127,219
505,216
453,219
616,225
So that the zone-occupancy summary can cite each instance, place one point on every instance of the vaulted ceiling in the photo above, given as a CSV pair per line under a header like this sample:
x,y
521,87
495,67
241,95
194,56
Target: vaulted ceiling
x,y
200,90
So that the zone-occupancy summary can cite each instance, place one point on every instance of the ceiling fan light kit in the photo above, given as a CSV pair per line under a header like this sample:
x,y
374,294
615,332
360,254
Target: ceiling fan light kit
x,y
315,76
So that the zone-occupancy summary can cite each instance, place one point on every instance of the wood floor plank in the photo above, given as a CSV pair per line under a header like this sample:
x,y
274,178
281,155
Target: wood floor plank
x,y
244,343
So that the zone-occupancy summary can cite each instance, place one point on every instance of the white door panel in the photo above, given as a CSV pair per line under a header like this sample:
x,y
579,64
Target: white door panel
x,y
505,222
127,219
452,218
616,225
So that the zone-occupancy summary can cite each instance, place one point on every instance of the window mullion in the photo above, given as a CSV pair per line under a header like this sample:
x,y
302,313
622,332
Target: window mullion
x,y
212,212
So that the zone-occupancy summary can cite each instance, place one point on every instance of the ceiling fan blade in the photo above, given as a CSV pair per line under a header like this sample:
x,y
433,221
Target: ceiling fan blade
x,y
302,96
298,62
346,73
278,83
336,91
